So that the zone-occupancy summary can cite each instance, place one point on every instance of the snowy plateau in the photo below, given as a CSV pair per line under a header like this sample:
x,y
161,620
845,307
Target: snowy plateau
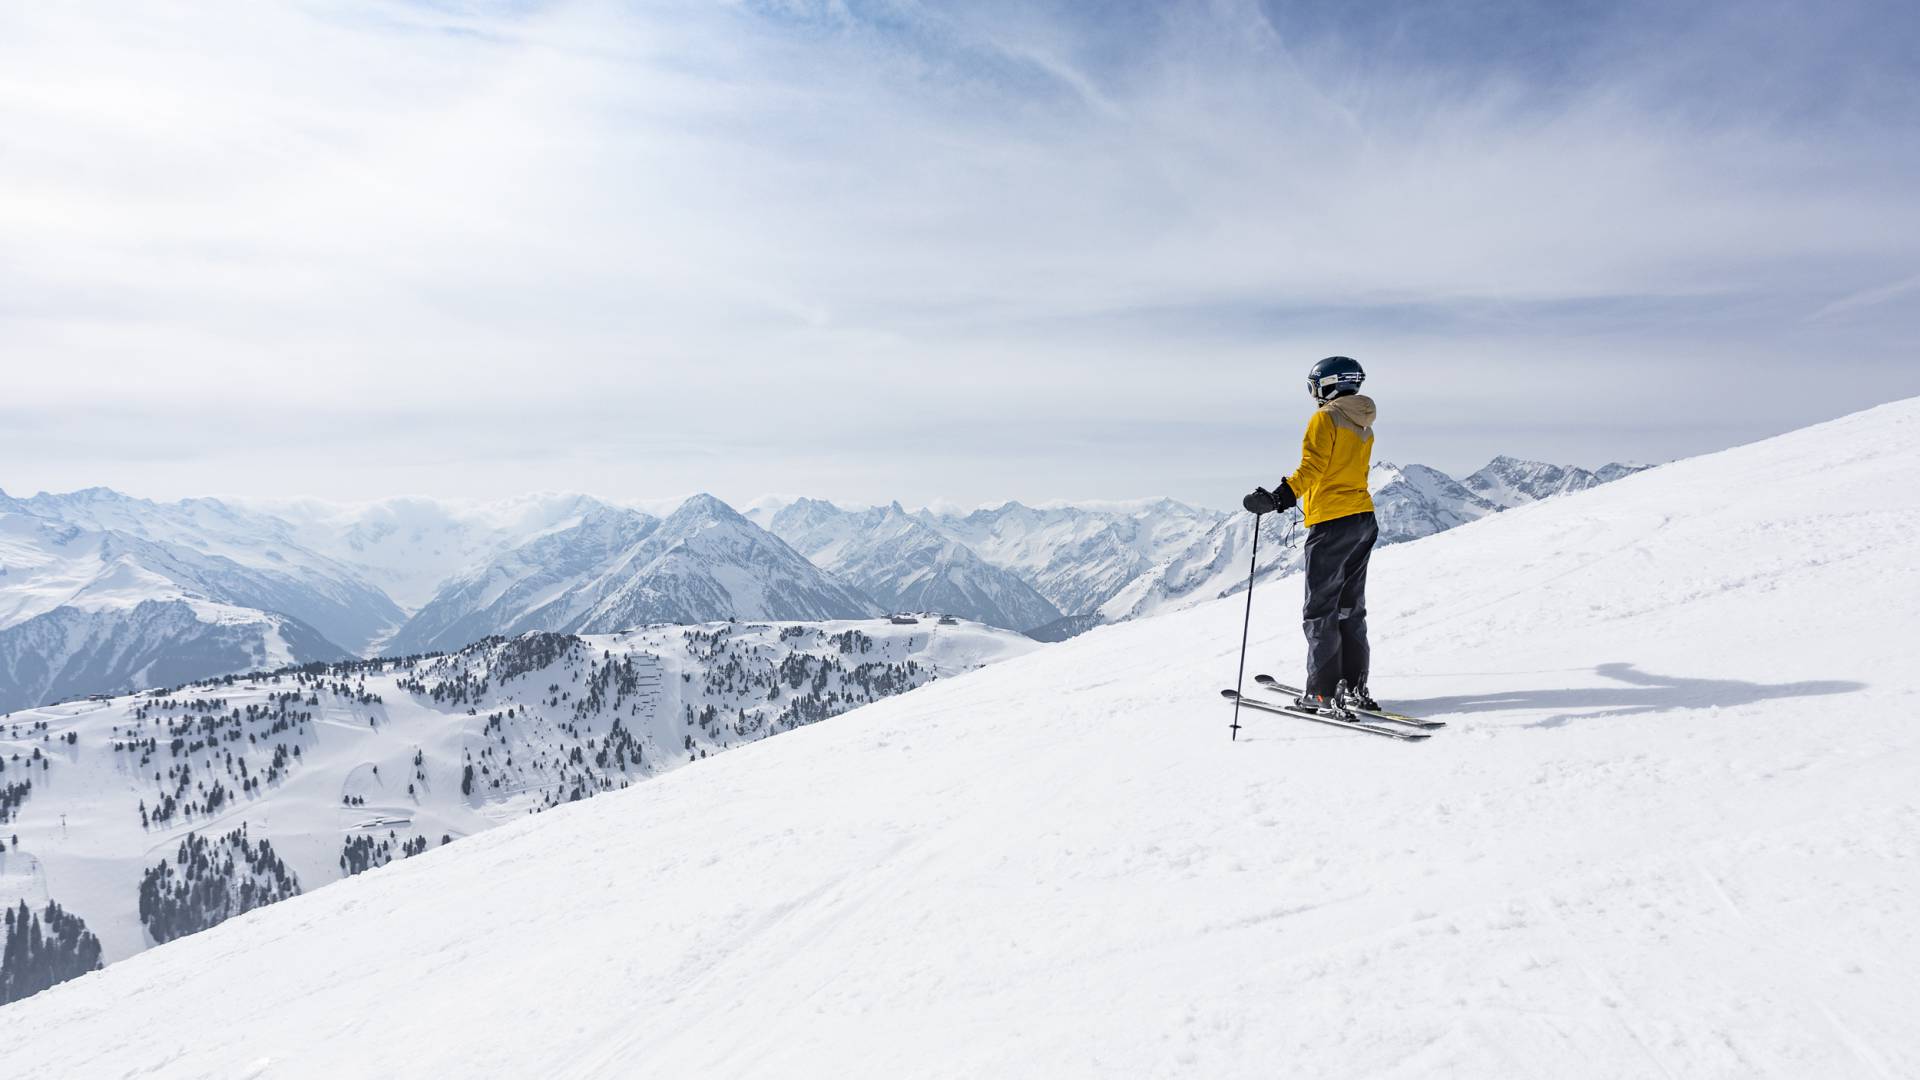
x,y
1670,830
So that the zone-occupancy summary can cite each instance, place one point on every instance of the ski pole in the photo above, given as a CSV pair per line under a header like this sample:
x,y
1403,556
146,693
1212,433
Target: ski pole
x,y
1239,682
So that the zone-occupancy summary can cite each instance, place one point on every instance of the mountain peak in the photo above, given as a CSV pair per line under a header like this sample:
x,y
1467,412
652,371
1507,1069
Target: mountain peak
x,y
1615,470
619,568
1508,463
705,506
1508,481
100,494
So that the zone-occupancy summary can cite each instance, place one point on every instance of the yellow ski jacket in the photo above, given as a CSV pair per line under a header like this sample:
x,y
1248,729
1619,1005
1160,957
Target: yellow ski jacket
x,y
1334,459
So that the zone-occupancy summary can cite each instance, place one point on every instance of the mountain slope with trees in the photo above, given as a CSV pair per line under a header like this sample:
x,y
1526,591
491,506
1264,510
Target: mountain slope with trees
x,y
158,815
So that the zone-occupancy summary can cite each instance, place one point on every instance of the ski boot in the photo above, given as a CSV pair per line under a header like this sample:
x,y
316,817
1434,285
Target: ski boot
x,y
1355,697
1323,705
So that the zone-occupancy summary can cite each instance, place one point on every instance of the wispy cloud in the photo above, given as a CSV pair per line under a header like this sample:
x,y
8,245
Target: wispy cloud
x,y
834,247
1869,297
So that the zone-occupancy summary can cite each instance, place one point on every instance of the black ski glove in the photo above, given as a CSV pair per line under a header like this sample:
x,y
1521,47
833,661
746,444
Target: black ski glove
x,y
1284,498
1260,501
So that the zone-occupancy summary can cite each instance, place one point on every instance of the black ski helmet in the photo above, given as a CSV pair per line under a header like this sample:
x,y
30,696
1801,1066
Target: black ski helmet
x,y
1335,377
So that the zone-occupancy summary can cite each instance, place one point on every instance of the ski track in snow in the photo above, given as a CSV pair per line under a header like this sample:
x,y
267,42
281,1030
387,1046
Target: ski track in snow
x,y
1670,831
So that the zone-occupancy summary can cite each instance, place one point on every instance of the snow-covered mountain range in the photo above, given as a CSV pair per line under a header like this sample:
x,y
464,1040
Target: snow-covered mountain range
x,y
1509,482
1411,502
410,546
1078,556
90,602
321,772
904,563
102,592
84,548
1670,830
614,569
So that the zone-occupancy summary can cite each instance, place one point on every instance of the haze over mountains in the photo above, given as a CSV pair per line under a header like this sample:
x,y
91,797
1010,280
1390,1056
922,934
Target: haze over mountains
x,y
102,592
906,563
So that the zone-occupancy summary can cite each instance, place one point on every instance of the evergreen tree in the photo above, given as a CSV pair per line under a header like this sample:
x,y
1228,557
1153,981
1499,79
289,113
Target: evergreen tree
x,y
37,956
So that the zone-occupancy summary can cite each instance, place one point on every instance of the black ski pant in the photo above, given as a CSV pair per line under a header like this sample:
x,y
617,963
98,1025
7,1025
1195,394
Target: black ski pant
x,y
1336,610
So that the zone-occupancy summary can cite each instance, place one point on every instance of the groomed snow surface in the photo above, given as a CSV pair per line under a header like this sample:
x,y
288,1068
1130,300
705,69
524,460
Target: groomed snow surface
x,y
83,836
1670,831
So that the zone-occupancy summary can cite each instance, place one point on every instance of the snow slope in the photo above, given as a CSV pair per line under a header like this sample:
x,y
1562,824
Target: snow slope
x,y
1672,831
397,736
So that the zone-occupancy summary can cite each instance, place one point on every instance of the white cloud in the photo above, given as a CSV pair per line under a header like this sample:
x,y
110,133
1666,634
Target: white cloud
x,y
371,247
1869,297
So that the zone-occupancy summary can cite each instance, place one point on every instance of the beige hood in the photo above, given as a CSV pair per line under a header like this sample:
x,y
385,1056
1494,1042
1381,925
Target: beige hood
x,y
1355,412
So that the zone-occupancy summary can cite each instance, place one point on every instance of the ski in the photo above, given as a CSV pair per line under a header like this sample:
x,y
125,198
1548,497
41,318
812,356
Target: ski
x,y
1279,687
1351,725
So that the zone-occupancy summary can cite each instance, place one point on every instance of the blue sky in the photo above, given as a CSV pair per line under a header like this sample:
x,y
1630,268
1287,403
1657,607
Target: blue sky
x,y
894,250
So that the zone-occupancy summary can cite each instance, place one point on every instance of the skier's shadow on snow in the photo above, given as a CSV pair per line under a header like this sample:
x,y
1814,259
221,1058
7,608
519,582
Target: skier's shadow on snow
x,y
1643,693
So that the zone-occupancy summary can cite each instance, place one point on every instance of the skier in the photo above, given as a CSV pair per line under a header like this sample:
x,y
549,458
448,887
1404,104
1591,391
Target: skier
x,y
1330,487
